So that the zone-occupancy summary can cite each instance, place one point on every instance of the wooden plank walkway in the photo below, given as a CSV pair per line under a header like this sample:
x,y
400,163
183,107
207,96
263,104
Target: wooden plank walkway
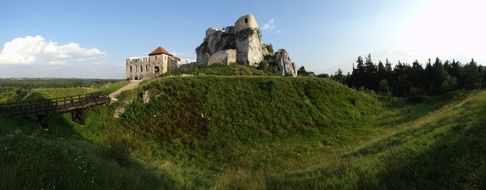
x,y
45,108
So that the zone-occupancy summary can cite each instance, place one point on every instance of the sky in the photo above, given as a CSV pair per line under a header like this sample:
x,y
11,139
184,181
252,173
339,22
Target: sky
x,y
92,38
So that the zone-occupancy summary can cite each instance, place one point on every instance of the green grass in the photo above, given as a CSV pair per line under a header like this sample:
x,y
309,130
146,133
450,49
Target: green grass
x,y
255,133
17,94
222,70
443,148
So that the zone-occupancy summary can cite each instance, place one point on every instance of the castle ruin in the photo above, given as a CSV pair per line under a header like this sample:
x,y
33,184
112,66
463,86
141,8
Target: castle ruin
x,y
155,64
243,38
241,43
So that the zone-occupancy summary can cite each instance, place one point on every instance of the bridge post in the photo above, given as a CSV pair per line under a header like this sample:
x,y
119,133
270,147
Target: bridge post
x,y
78,116
42,119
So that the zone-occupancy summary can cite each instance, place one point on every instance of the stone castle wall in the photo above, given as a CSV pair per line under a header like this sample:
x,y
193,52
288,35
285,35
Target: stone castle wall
x,y
223,57
150,66
245,22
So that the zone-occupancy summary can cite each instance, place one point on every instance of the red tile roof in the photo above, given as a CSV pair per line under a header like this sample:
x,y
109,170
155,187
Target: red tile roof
x,y
159,51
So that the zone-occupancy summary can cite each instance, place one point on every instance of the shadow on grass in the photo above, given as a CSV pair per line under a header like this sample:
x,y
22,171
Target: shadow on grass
x,y
447,152
408,111
455,160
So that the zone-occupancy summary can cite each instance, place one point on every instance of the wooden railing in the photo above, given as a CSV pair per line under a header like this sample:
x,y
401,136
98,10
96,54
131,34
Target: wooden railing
x,y
63,104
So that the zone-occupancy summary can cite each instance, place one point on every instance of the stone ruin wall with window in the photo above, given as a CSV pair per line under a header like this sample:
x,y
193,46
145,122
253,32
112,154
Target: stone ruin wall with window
x,y
150,66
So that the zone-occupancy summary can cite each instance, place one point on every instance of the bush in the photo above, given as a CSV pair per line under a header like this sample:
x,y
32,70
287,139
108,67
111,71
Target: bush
x,y
117,149
268,67
384,88
269,48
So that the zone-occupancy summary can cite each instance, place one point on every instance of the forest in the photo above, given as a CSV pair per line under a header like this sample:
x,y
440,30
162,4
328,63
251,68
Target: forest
x,y
411,80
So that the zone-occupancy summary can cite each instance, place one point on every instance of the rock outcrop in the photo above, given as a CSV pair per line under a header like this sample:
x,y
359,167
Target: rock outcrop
x,y
243,40
244,37
146,97
285,65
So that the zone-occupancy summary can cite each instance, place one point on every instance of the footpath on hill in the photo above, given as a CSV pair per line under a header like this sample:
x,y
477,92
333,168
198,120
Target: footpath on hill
x,y
130,86
135,83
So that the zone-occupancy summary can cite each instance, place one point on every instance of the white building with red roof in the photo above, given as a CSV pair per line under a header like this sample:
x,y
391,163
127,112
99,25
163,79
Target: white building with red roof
x,y
155,64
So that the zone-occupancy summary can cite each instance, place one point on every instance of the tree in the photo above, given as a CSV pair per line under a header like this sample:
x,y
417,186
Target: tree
x,y
370,74
358,74
438,76
417,76
471,76
384,88
455,70
413,79
338,76
268,67
402,82
304,73
484,76
448,84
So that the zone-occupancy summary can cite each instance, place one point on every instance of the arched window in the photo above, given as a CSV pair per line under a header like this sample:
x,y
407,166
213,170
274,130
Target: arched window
x,y
131,69
246,20
141,68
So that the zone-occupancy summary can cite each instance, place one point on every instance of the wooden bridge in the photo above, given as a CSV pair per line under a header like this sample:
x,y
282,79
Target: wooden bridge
x,y
44,109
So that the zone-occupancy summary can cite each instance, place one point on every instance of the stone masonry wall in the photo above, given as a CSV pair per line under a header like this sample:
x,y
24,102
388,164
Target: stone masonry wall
x,y
224,57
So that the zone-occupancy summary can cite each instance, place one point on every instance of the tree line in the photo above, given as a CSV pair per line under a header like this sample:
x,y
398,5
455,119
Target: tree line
x,y
413,79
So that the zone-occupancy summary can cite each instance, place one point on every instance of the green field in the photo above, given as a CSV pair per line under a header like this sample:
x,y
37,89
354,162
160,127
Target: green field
x,y
243,132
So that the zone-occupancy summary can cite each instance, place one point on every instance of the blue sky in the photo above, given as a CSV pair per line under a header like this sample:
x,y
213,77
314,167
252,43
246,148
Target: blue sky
x,y
91,39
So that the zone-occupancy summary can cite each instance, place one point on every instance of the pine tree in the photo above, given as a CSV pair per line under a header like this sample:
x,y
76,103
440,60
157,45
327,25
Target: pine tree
x,y
370,74
358,73
338,76
472,76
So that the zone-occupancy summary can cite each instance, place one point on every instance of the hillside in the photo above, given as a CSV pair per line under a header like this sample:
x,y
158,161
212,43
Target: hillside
x,y
252,133
221,70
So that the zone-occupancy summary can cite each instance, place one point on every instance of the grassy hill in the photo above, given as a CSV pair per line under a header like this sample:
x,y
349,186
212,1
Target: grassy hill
x,y
221,70
252,133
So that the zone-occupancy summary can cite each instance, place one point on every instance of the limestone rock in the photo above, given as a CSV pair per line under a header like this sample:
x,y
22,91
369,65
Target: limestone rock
x,y
285,64
250,46
119,112
244,37
245,40
211,31
146,97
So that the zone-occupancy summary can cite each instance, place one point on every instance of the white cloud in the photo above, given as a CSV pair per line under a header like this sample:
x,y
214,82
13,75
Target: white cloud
x,y
270,25
37,50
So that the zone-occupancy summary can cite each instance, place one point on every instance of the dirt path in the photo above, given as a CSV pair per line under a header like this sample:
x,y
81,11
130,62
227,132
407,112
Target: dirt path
x,y
132,85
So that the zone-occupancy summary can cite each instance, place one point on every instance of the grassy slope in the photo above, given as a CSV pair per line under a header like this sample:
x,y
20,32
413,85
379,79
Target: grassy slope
x,y
222,70
59,158
217,132
439,144
43,91
220,125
